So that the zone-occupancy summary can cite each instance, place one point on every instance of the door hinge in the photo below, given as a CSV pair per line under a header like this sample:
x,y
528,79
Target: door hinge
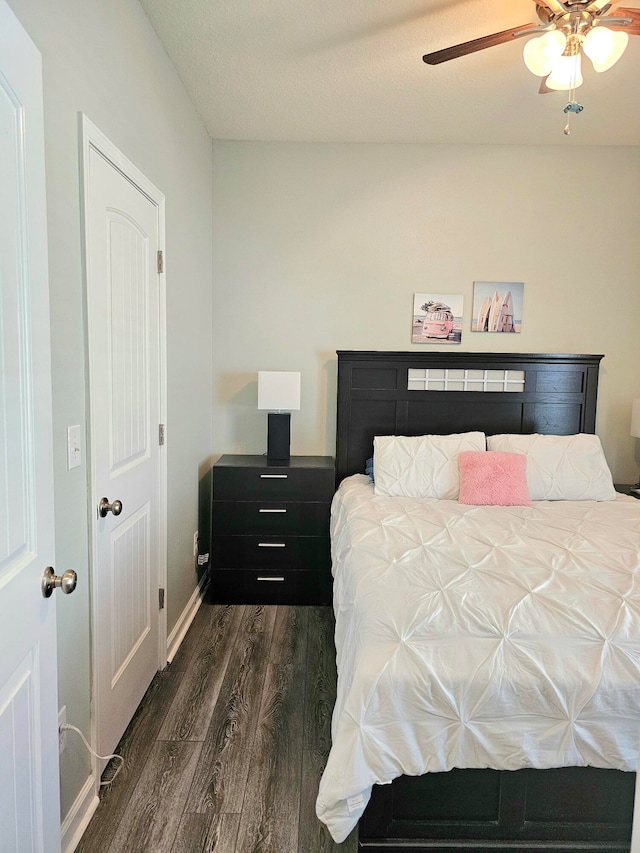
x,y
160,260
160,434
161,599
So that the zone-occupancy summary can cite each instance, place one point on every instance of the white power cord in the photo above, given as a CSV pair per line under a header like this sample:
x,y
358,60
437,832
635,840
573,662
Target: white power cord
x,y
68,726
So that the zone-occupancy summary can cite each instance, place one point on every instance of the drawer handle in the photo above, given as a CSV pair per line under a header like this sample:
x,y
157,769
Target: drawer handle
x,y
273,476
272,544
278,580
272,510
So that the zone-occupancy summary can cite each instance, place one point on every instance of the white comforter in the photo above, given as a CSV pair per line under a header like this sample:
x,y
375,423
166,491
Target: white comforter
x,y
500,637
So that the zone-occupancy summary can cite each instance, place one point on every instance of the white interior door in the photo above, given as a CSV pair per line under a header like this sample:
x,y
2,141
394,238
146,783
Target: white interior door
x,y
29,787
124,315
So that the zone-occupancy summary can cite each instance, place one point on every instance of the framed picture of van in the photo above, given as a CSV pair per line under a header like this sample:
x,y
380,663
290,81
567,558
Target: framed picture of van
x,y
437,318
497,306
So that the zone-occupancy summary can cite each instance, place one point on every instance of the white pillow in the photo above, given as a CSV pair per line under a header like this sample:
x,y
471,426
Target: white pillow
x,y
561,467
421,466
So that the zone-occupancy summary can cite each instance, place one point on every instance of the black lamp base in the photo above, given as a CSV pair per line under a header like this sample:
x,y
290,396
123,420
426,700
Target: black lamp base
x,y
278,436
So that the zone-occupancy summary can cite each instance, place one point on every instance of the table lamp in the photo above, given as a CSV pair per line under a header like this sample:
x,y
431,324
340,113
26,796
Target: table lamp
x,y
279,392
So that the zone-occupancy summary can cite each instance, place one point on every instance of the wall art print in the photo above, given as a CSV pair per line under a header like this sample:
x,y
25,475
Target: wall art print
x,y
437,318
497,306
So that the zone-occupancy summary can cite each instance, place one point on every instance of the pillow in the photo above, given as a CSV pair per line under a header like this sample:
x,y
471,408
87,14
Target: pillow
x,y
561,467
421,466
493,478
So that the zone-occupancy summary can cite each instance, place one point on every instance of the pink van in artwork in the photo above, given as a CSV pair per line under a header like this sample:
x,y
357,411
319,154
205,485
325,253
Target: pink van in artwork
x,y
438,322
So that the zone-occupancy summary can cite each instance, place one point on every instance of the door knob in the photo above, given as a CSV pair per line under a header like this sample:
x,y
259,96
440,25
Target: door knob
x,y
104,507
51,581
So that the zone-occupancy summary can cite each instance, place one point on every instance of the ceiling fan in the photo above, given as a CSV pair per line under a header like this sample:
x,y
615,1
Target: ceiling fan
x,y
567,29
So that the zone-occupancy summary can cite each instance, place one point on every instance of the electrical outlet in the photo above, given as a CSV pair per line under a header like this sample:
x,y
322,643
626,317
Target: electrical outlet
x,y
195,544
62,733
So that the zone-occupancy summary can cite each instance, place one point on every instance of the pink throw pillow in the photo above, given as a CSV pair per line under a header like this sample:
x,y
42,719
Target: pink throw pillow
x,y
493,478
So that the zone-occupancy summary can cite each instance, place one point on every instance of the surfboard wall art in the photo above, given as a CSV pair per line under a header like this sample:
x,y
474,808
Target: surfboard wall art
x,y
497,306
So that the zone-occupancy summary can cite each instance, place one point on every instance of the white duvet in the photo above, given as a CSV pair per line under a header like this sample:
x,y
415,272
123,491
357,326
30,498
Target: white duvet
x,y
500,637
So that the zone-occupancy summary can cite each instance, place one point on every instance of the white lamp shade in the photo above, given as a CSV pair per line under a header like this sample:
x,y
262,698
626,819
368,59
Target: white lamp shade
x,y
540,54
635,419
278,390
604,47
566,74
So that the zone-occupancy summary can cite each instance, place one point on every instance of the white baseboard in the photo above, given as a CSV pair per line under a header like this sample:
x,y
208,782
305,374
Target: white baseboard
x,y
78,816
182,625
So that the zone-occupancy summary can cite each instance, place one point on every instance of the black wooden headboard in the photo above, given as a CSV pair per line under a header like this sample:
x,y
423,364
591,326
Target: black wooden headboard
x,y
546,393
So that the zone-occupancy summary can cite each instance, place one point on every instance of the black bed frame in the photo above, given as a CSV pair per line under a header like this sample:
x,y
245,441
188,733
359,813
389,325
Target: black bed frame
x,y
569,808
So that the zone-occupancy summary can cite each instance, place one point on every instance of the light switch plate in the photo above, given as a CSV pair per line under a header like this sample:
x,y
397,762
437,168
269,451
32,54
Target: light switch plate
x,y
74,447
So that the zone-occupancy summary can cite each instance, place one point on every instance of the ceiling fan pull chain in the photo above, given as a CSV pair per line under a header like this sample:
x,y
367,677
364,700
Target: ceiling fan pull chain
x,y
572,107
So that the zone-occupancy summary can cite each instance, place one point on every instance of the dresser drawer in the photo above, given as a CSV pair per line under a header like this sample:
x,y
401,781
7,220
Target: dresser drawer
x,y
268,585
281,587
273,484
232,586
246,517
286,552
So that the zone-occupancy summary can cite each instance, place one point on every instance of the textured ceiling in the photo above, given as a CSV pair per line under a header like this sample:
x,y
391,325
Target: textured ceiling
x,y
330,70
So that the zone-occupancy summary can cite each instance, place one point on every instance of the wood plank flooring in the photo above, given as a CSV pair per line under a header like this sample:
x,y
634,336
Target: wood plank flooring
x,y
227,747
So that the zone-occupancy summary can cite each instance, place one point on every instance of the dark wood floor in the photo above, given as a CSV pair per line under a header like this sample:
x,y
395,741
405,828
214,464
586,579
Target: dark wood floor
x,y
226,750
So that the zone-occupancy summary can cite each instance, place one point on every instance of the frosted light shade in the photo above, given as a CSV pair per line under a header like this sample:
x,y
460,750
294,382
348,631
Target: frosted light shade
x,y
541,53
566,74
635,419
604,47
278,390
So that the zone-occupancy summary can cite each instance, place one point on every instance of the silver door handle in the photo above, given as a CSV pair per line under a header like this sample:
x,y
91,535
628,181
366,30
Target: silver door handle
x,y
50,581
104,507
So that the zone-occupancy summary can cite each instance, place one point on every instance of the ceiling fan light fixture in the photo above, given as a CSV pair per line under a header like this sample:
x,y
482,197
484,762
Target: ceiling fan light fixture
x,y
541,54
566,74
604,47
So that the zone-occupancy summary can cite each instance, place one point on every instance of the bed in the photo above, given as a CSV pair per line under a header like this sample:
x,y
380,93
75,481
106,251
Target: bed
x,y
468,753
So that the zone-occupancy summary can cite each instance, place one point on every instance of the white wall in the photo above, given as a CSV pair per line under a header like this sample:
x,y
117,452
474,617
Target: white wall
x,y
104,58
321,247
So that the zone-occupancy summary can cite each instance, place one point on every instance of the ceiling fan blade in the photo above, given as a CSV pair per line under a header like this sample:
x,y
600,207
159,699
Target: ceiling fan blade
x,y
457,50
544,89
634,27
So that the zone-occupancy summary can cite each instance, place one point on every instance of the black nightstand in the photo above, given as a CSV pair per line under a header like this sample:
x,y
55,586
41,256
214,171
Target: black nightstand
x,y
623,488
270,530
